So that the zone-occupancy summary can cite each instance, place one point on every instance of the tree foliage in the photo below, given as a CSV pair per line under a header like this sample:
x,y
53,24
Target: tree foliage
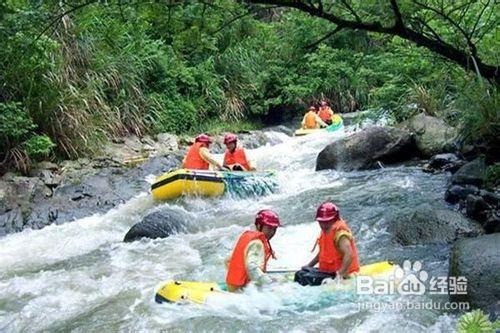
x,y
75,74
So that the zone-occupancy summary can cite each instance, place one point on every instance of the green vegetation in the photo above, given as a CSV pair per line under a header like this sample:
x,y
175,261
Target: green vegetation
x,y
476,321
73,77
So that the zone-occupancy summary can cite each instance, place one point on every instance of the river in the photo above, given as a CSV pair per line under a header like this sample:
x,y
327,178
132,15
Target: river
x,y
81,277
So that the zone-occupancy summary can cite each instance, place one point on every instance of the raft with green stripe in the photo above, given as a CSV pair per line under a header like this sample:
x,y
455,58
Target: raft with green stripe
x,y
209,183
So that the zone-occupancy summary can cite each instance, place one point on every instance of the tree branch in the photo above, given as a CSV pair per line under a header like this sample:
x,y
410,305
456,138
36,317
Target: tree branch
x,y
444,49
478,19
322,39
60,16
351,10
397,14
236,18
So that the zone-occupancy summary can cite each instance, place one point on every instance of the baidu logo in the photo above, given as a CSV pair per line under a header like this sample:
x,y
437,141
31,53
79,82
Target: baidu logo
x,y
411,279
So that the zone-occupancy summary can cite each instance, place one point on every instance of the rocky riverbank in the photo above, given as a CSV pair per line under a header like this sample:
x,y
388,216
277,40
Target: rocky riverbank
x,y
474,207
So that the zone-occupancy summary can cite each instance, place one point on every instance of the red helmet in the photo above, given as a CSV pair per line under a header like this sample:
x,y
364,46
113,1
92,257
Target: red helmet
x,y
228,138
326,212
203,138
267,217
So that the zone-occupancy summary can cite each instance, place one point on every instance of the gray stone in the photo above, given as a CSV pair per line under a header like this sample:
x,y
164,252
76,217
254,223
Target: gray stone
x,y
476,208
49,178
166,142
433,226
432,135
456,193
491,198
478,260
46,165
473,173
11,221
364,149
492,223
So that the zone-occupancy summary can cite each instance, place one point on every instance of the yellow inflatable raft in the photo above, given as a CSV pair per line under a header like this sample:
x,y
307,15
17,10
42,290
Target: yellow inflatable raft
x,y
201,292
337,123
208,183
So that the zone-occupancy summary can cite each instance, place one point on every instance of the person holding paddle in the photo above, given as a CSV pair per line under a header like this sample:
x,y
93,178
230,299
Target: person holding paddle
x,y
198,156
248,261
337,256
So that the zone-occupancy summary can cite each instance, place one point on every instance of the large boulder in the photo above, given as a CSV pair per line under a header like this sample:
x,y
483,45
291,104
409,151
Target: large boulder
x,y
444,162
427,225
364,149
478,260
473,173
159,224
432,135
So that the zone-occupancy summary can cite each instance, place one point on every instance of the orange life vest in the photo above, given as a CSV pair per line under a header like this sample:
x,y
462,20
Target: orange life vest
x,y
236,157
237,275
310,121
330,258
193,158
325,113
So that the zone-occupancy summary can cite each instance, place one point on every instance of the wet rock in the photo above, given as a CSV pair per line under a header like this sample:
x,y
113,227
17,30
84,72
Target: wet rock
x,y
364,149
426,225
432,135
444,162
492,223
11,221
476,208
441,160
160,224
96,191
160,164
477,259
491,198
456,193
472,173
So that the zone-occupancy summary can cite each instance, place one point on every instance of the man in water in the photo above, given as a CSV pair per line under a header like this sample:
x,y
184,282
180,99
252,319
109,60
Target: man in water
x,y
198,156
235,157
248,261
337,256
311,120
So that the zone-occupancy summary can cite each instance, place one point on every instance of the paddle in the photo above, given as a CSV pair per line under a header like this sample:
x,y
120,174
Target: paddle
x,y
282,271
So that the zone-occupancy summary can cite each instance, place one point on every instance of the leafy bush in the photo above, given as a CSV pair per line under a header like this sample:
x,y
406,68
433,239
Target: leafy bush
x,y
15,124
38,146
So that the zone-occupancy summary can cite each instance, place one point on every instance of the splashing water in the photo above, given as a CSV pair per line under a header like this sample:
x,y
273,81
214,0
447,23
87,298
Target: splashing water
x,y
80,276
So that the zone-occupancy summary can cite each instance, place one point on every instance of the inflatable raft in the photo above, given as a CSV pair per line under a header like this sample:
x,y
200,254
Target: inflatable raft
x,y
208,183
337,123
202,292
